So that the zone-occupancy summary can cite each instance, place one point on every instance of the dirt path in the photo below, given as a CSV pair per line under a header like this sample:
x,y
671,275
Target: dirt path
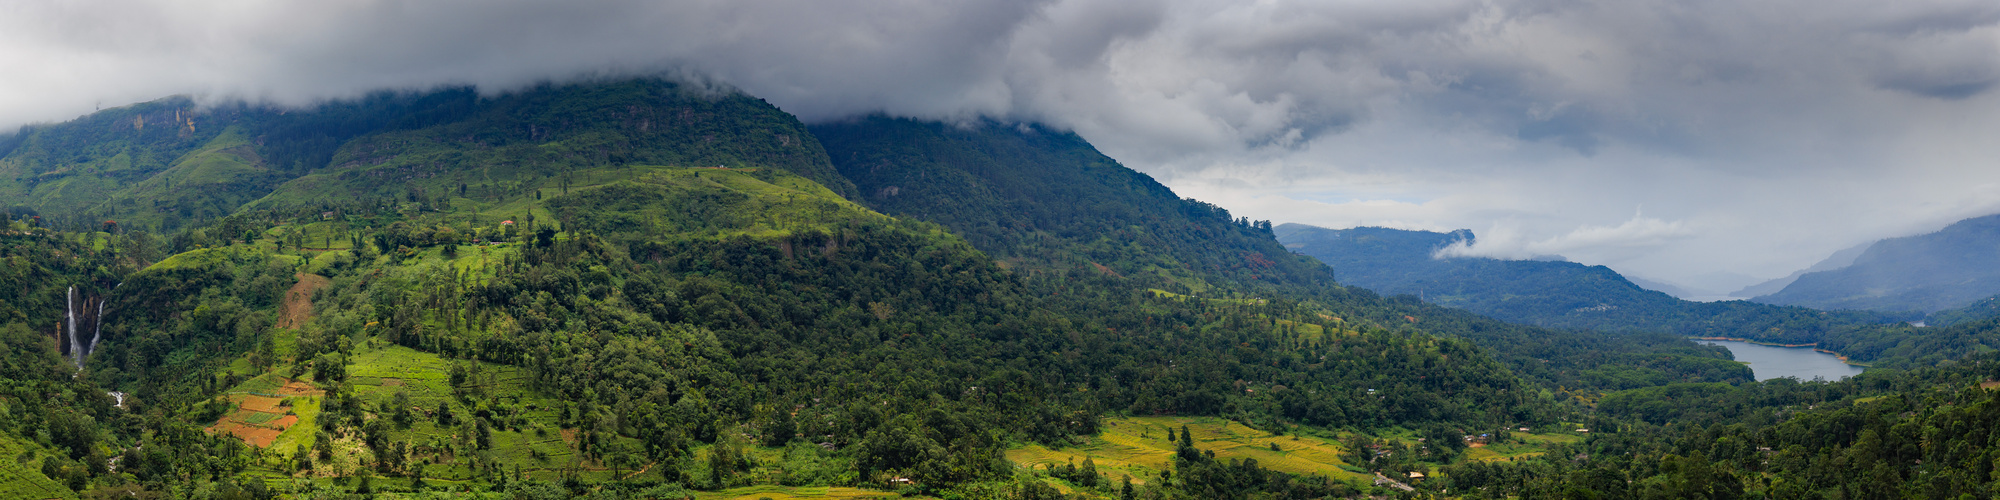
x,y
298,300
628,477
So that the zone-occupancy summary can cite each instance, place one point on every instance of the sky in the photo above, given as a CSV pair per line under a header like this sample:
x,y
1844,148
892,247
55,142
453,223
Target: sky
x,y
1699,142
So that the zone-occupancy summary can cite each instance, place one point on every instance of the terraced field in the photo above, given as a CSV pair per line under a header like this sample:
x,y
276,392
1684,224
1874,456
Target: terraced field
x,y
267,407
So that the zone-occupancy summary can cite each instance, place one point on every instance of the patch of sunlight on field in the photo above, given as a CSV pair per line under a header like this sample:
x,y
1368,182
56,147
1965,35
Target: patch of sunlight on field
x,y
1138,446
792,492
1520,445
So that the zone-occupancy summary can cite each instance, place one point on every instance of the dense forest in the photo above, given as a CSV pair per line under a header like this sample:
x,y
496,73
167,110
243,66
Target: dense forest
x,y
635,289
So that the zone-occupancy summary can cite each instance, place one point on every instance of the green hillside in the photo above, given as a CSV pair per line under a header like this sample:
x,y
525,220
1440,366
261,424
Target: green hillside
x,y
1045,199
631,289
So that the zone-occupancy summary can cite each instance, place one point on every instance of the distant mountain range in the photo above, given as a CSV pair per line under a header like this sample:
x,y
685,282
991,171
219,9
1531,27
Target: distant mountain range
x,y
1838,260
1953,267
1546,292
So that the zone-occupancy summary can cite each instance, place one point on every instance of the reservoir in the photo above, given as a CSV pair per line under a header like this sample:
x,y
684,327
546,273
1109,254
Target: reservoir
x,y
1769,362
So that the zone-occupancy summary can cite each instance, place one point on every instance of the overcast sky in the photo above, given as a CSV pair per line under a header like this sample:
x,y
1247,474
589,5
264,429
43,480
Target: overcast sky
x,y
1669,139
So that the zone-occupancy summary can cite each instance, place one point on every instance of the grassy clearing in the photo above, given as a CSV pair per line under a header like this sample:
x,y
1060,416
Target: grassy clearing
x,y
1138,447
791,492
1519,446
1242,302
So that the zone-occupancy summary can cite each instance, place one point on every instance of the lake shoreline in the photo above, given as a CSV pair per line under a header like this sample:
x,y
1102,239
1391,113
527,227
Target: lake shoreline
x,y
1814,346
1769,362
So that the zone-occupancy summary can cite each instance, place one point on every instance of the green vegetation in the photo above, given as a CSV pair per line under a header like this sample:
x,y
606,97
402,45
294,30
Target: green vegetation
x,y
636,290
1918,434
1143,447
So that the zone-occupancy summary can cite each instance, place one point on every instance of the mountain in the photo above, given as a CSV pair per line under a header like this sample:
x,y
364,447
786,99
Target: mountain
x,y
1838,260
166,164
1045,201
628,288
1952,267
638,289
1544,292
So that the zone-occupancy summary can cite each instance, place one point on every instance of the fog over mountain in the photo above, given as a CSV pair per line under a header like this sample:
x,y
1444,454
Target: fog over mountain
x,y
1662,138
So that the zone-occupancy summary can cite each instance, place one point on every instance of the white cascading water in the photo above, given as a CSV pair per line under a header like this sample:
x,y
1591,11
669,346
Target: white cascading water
x,y
75,345
95,332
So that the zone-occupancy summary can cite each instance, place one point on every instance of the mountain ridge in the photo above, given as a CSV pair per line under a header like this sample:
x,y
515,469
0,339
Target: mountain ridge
x,y
1949,268
1548,293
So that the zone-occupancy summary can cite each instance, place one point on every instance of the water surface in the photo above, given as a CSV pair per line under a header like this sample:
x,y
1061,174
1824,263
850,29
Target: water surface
x,y
1769,362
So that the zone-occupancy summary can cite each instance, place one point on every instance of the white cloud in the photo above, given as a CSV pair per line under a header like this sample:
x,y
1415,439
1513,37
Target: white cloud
x,y
1783,129
1505,241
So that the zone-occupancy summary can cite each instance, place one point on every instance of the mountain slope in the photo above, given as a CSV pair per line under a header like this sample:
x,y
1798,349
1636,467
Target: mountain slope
x,y
1838,260
1952,267
166,163
1046,199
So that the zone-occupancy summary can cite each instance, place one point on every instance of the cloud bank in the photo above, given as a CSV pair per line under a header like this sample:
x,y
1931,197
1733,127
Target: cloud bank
x,y
1758,136
1504,241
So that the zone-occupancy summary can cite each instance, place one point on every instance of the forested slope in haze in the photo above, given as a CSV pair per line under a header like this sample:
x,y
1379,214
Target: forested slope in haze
x,y
1950,268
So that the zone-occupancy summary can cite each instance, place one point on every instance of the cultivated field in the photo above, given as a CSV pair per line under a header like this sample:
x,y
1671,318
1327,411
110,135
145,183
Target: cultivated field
x,y
792,492
1138,447
266,407
1521,445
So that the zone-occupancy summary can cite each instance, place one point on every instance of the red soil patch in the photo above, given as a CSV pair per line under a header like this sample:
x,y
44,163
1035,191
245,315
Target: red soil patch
x,y
298,300
1989,384
392,382
260,437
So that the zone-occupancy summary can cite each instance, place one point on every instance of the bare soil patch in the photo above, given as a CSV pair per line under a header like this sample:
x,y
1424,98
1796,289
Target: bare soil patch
x,y
298,300
294,387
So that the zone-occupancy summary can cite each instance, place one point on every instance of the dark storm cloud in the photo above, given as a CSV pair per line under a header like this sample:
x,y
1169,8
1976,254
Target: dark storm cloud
x,y
1727,121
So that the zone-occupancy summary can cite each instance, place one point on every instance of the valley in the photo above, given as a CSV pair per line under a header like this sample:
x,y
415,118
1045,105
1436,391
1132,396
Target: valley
x,y
633,289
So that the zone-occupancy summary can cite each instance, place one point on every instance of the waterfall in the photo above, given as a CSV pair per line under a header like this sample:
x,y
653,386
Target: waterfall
x,y
96,331
75,344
